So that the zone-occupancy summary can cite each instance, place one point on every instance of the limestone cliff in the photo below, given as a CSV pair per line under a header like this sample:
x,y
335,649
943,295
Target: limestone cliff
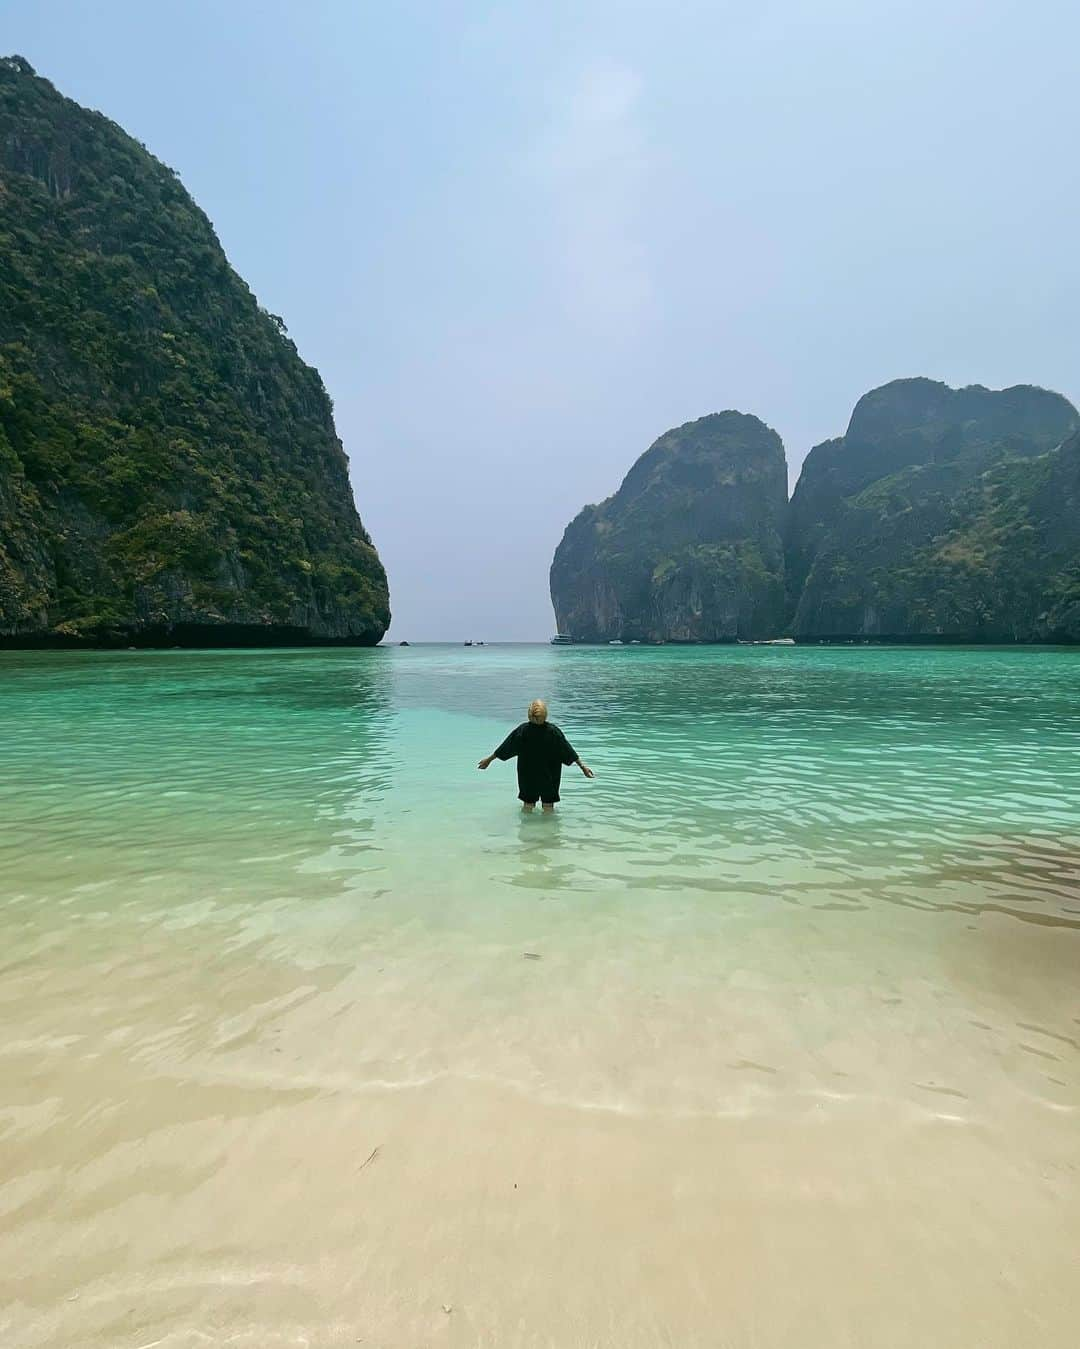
x,y
688,549
169,468
942,514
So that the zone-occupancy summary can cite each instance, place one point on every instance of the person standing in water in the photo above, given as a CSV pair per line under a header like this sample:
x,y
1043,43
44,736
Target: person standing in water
x,y
541,750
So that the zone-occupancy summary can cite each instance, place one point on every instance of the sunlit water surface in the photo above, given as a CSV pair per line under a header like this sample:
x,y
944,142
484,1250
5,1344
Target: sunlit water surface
x,y
770,1038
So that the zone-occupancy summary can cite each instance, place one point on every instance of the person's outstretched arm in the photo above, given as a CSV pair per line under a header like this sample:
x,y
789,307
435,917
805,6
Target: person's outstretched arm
x,y
506,750
570,758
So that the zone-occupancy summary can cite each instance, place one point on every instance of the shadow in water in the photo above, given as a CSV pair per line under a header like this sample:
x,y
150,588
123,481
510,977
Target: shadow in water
x,y
543,861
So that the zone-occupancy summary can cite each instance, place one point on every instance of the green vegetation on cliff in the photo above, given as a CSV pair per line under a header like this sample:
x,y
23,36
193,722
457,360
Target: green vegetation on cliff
x,y
169,468
947,514
689,547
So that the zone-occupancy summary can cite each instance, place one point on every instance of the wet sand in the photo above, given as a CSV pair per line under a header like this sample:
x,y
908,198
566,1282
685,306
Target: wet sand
x,y
542,1225
749,1164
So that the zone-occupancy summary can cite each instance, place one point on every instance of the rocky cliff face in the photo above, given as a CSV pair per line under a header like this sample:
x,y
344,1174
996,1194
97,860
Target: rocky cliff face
x,y
688,549
1052,497
169,468
942,514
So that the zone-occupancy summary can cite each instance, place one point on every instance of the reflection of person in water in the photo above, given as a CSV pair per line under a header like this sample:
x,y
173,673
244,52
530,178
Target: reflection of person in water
x,y
541,750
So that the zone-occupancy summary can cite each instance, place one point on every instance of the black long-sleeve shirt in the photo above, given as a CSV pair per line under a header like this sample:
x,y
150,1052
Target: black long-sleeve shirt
x,y
541,750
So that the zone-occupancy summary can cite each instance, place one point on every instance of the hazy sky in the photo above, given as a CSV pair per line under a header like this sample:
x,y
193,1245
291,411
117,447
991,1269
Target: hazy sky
x,y
521,240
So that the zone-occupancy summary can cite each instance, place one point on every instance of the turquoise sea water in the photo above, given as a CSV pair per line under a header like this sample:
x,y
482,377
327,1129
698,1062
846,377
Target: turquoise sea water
x,y
809,887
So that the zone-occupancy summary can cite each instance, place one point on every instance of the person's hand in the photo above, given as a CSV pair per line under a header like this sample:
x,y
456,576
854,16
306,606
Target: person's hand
x,y
486,763
586,770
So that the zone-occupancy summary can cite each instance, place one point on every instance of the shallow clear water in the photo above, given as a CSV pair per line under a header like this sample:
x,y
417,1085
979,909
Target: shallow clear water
x,y
771,1036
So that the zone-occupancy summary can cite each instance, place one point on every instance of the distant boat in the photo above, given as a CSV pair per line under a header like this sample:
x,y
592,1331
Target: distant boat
x,y
562,639
634,641
467,643
615,642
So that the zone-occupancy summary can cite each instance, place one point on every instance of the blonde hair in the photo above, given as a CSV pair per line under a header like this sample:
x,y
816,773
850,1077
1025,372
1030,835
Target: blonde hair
x,y
537,712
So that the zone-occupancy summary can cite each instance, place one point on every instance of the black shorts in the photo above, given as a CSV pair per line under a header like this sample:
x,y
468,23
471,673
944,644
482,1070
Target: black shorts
x,y
543,788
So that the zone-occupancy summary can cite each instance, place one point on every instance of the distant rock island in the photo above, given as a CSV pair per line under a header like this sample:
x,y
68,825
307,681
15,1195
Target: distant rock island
x,y
169,468
689,549
941,515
